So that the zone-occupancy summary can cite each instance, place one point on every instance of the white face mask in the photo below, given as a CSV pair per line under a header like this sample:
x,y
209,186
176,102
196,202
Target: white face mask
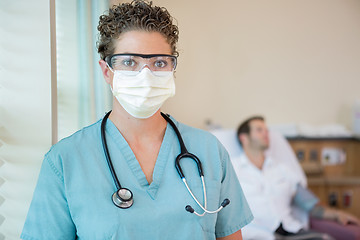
x,y
143,94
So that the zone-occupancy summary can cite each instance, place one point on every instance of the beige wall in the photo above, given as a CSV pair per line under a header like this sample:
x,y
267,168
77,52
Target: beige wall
x,y
292,61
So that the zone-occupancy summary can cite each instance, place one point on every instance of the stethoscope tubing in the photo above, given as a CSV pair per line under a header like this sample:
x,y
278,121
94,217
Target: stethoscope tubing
x,y
106,151
123,203
183,151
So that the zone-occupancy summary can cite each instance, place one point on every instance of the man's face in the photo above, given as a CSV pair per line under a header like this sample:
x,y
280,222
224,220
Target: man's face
x,y
259,135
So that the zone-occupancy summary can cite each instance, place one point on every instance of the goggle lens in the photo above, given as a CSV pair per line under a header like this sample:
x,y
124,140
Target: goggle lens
x,y
136,62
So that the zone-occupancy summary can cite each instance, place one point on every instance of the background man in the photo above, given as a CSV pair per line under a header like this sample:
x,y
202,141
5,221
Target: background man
x,y
270,188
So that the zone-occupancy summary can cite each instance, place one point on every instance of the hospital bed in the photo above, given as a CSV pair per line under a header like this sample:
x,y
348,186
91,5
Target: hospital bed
x,y
281,151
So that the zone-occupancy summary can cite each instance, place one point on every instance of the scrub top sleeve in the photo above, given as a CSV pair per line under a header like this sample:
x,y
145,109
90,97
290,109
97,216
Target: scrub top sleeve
x,y
237,214
49,216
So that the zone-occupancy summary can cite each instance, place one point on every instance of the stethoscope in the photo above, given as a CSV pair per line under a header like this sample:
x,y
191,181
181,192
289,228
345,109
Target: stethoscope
x,y
123,197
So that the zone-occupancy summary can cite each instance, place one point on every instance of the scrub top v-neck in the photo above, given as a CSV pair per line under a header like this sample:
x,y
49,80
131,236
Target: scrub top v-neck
x,y
72,199
128,155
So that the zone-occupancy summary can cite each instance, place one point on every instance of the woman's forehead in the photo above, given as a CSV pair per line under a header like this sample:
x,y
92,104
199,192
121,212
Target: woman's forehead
x,y
142,42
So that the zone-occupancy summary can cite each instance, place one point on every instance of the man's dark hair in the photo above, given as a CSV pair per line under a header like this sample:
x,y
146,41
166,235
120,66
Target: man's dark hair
x,y
244,127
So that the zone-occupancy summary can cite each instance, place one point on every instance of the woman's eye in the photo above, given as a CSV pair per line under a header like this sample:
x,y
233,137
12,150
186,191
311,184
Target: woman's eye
x,y
160,64
128,62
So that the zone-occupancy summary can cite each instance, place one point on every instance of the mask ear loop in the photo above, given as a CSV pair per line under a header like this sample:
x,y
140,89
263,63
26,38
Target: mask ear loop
x,y
110,68
111,88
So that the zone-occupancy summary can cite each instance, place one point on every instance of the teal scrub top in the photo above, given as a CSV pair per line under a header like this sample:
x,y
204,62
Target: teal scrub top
x,y
72,199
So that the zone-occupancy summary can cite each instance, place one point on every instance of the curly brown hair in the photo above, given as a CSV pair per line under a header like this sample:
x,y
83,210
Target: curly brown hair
x,y
137,15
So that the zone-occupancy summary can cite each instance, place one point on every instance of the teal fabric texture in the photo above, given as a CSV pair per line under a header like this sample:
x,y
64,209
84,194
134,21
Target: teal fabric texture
x,y
72,199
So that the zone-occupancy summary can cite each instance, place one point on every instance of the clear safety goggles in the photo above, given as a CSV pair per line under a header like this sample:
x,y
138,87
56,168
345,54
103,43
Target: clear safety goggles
x,y
132,63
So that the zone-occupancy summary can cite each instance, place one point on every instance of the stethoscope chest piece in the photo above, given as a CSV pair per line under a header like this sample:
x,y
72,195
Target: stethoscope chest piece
x,y
123,198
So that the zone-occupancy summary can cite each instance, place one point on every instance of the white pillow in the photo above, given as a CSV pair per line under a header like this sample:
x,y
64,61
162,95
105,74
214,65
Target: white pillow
x,y
229,139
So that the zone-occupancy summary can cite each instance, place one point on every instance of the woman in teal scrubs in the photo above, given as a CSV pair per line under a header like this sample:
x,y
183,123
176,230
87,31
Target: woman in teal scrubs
x,y
73,196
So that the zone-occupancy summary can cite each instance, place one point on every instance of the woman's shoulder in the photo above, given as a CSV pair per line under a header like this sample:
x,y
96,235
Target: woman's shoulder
x,y
187,130
200,137
85,137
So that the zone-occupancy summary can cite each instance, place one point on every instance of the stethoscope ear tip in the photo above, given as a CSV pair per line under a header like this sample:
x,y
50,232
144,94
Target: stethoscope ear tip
x,y
189,209
225,202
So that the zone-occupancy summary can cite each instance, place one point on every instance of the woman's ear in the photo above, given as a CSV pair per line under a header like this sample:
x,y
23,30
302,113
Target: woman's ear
x,y
107,73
